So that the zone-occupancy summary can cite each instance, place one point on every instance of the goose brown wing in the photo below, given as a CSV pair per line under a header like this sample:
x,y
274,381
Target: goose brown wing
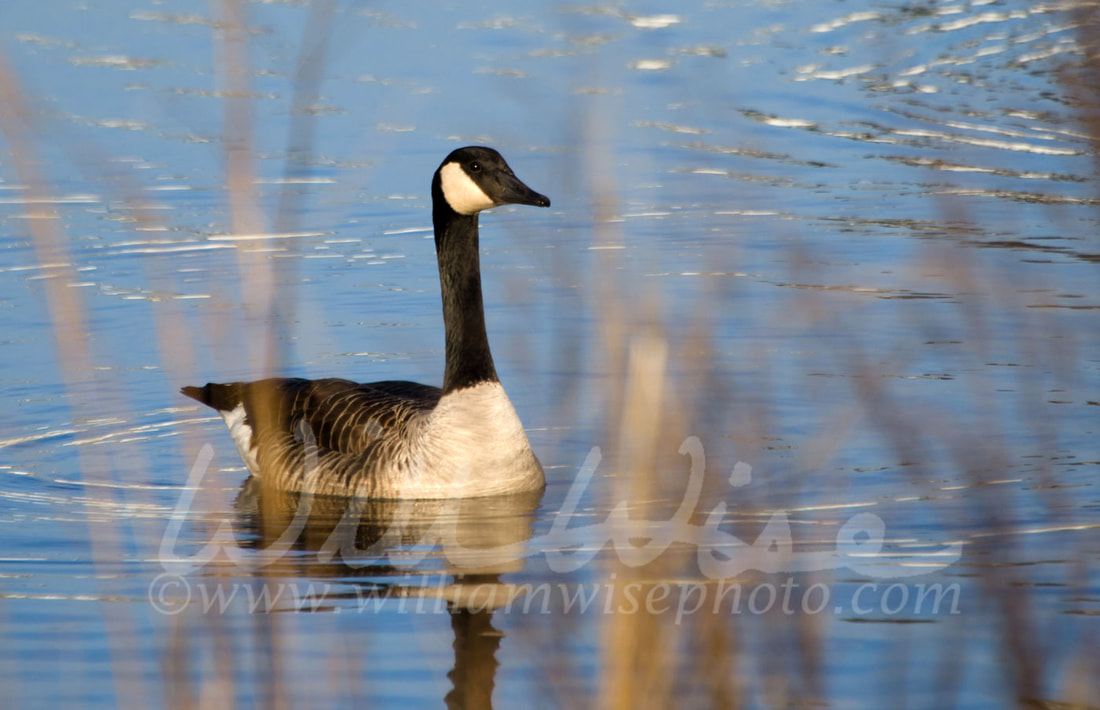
x,y
344,417
348,417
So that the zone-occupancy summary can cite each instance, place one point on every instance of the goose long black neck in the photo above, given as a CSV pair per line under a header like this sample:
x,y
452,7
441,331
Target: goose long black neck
x,y
469,360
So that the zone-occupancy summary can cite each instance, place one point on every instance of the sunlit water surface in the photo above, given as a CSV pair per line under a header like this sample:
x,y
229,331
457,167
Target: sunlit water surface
x,y
835,193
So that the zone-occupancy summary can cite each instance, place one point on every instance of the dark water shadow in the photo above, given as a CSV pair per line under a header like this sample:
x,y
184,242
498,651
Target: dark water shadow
x,y
442,554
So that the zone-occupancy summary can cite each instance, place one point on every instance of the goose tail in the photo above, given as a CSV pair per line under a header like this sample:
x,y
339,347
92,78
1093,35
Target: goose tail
x,y
223,398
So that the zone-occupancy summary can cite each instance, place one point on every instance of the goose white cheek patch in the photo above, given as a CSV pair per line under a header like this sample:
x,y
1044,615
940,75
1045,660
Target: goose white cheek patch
x,y
462,193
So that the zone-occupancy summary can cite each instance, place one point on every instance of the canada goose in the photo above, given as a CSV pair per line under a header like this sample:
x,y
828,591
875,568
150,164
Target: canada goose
x,y
402,439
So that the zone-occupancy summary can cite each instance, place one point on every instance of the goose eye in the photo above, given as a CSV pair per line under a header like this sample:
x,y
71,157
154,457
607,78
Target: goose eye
x,y
475,167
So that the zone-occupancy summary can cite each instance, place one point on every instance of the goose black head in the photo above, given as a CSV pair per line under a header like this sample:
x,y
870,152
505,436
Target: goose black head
x,y
475,178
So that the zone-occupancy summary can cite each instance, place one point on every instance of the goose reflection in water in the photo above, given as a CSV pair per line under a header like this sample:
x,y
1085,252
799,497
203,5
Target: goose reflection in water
x,y
403,550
